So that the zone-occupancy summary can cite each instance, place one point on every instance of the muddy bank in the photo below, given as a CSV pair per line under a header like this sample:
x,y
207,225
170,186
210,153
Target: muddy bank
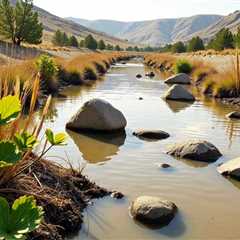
x,y
63,194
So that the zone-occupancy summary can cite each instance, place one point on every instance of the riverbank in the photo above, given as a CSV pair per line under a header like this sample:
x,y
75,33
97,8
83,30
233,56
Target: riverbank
x,y
63,193
83,69
216,76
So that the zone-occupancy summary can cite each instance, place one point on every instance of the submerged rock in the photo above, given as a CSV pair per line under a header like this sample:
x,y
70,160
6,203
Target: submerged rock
x,y
97,115
164,165
179,93
138,76
151,74
153,211
151,134
234,115
231,168
195,150
181,78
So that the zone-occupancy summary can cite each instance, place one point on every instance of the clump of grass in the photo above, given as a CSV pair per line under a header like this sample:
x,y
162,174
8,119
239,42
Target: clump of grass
x,y
89,74
183,66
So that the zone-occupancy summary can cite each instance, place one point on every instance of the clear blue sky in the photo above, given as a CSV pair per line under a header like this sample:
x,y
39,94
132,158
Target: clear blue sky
x,y
132,10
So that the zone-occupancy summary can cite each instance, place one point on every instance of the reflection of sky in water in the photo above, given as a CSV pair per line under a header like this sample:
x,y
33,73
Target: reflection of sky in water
x,y
131,164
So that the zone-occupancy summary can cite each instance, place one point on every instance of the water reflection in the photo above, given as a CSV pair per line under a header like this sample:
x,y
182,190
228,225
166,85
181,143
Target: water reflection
x,y
195,164
97,148
177,106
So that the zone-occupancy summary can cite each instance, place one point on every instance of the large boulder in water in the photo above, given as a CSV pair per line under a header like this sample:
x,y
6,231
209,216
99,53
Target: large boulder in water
x,y
231,168
195,150
97,115
181,78
234,115
179,93
153,210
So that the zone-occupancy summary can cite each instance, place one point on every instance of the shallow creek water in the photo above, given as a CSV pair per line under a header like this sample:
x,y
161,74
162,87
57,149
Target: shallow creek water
x,y
209,204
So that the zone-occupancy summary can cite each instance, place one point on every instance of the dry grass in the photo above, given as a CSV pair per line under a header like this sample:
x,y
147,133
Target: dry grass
x,y
26,71
204,74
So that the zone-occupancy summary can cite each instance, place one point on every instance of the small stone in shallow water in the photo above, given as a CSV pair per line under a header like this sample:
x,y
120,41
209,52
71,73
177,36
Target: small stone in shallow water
x,y
151,134
140,98
153,211
164,165
117,195
138,76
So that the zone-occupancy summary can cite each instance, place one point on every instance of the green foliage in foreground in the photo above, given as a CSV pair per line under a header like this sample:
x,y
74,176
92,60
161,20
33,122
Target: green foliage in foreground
x,y
183,66
24,217
10,107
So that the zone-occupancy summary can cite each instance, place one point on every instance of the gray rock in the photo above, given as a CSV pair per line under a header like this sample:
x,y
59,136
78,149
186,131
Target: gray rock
x,y
138,76
181,78
195,150
97,115
231,168
151,134
151,74
234,115
179,93
164,165
153,210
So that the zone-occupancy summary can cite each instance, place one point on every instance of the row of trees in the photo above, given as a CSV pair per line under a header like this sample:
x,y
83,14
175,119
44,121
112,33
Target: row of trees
x,y
224,39
62,39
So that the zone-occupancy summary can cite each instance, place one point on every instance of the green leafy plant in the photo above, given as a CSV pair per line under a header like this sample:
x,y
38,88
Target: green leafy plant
x,y
55,139
9,154
183,66
10,107
25,141
22,218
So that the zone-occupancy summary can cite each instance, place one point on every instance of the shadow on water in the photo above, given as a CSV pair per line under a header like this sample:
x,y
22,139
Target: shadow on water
x,y
96,147
176,106
176,227
195,164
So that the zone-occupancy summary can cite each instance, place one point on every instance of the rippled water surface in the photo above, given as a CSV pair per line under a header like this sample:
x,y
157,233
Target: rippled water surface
x,y
208,203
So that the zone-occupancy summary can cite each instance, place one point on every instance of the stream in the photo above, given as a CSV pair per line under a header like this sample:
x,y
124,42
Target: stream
x,y
208,203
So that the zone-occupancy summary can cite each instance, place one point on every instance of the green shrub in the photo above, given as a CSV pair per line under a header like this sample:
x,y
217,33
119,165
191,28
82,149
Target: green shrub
x,y
48,70
183,66
46,66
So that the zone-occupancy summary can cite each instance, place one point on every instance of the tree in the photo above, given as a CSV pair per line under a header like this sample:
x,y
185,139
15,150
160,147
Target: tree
x,y
65,39
117,48
90,42
73,41
57,38
101,45
129,49
237,38
109,47
178,47
223,39
136,49
82,43
195,44
20,23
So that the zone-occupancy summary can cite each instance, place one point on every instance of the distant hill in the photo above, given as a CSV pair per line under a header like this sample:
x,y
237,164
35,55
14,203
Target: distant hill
x,y
52,23
154,32
231,21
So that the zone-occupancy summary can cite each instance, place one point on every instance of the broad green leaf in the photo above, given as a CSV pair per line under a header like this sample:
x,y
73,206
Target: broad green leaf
x,y
57,139
9,154
10,107
25,141
24,217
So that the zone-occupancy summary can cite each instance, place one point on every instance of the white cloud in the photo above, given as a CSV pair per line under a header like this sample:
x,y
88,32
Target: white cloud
x,y
137,9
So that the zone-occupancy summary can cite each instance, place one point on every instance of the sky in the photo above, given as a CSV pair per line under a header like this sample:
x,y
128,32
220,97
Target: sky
x,y
136,10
